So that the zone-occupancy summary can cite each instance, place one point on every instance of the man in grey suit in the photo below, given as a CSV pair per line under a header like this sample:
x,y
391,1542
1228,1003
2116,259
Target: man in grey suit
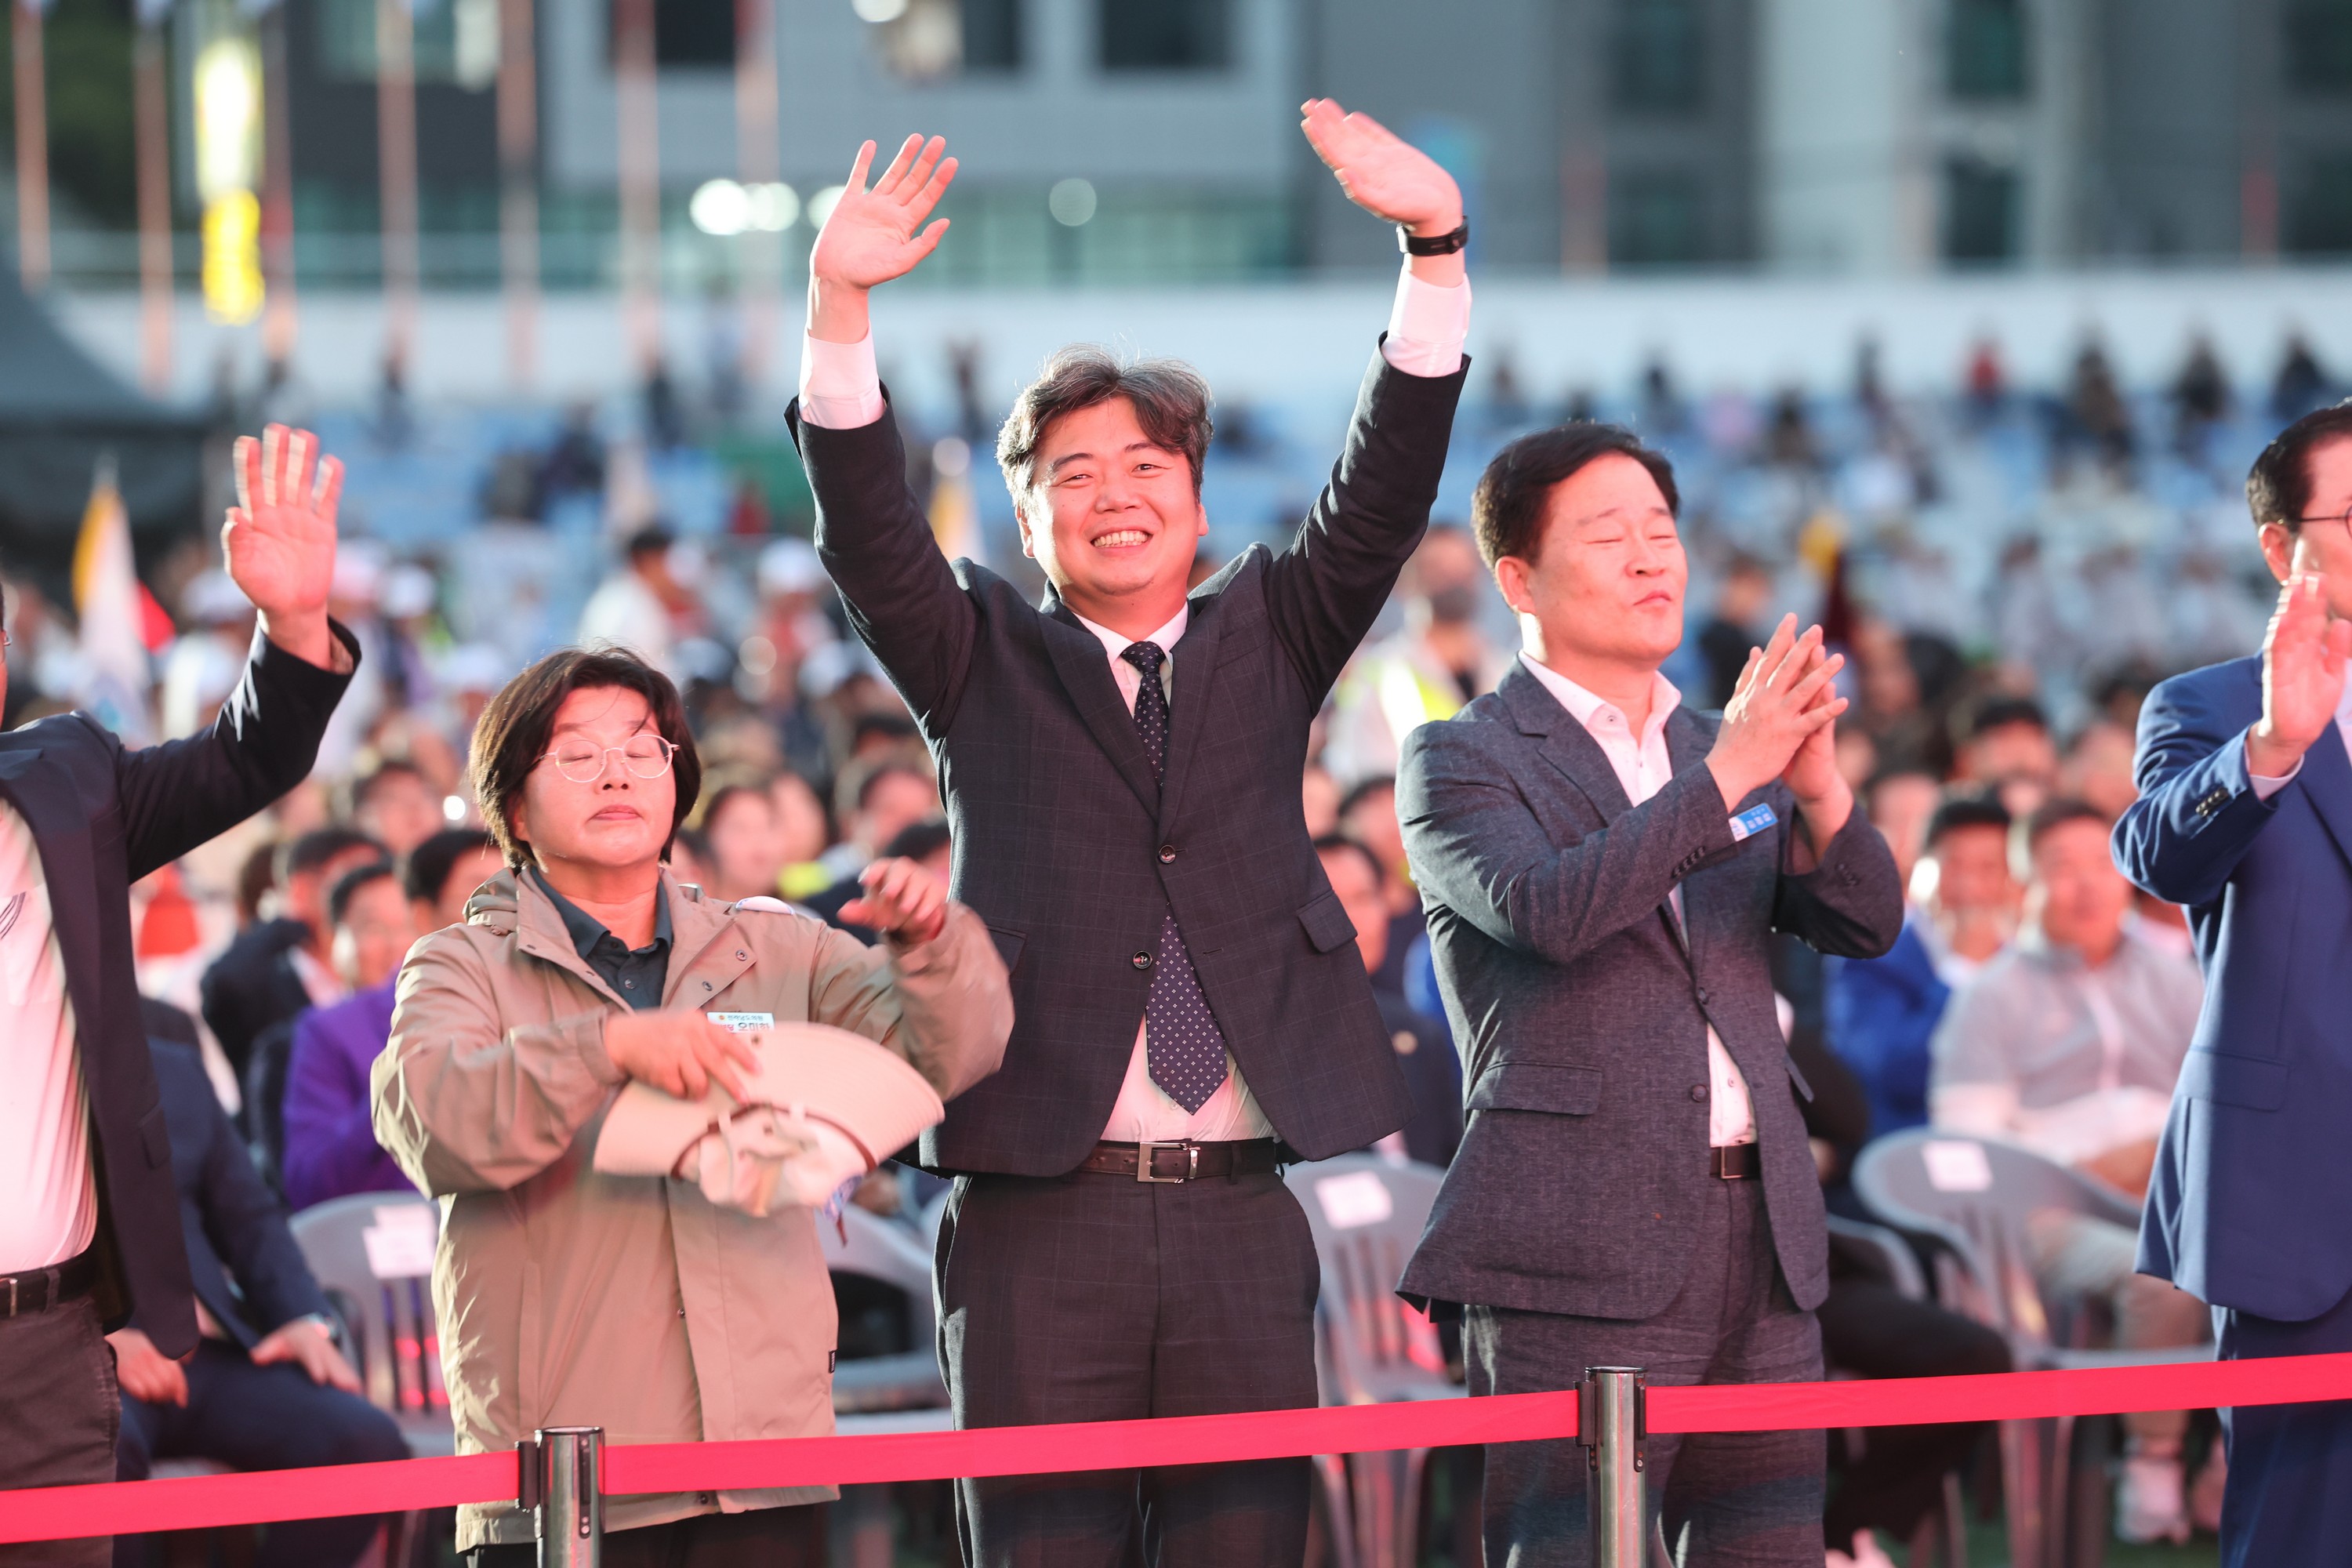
x,y
1121,766
1603,869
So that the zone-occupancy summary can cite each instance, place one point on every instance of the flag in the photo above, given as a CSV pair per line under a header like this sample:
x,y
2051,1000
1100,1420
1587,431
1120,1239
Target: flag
x,y
115,677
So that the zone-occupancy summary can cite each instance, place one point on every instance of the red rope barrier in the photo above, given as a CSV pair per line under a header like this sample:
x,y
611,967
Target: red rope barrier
x,y
251,1498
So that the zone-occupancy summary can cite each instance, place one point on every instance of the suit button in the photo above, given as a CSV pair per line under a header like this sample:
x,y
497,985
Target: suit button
x,y
1701,994
1698,1092
1141,960
1168,854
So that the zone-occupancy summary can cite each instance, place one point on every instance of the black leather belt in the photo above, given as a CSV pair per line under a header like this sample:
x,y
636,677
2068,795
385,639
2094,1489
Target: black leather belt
x,y
38,1289
1183,1162
1735,1162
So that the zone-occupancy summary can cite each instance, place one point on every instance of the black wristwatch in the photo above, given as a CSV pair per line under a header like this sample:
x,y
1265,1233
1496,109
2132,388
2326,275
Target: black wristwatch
x,y
1412,244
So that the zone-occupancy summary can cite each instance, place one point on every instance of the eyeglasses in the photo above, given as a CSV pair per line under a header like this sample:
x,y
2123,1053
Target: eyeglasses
x,y
646,756
2344,517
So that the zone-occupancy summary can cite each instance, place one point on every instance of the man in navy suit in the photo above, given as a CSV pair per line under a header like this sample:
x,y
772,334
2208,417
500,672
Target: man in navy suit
x,y
2245,817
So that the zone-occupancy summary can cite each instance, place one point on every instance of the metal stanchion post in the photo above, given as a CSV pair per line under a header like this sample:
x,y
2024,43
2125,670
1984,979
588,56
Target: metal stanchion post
x,y
561,1478
1611,1424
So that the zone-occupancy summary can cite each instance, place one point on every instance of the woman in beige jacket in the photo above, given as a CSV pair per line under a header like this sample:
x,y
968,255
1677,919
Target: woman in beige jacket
x,y
571,1296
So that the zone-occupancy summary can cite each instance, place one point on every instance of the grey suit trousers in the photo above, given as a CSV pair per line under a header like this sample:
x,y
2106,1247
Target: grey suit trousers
x,y
1749,1498
1090,1298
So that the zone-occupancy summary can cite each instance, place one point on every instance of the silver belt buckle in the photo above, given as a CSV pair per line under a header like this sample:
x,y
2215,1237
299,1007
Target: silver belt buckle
x,y
1144,1151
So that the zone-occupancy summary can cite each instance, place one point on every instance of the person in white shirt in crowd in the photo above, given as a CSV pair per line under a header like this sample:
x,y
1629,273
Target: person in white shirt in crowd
x,y
2069,1043
1440,660
633,608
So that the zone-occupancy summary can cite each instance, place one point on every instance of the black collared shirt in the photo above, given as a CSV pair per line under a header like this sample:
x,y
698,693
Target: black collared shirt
x,y
636,976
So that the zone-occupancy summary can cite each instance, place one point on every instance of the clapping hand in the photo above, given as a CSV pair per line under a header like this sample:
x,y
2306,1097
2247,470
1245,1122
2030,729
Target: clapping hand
x,y
874,236
279,540
901,898
2303,676
1779,722
1382,172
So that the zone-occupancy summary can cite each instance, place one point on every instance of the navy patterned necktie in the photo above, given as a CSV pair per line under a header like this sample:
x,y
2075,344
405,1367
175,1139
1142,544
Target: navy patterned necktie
x,y
1181,1042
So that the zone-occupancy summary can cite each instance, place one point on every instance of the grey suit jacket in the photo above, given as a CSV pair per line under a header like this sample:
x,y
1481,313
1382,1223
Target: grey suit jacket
x,y
1581,1010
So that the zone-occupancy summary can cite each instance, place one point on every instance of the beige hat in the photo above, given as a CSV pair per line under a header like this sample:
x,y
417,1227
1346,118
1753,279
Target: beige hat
x,y
826,1107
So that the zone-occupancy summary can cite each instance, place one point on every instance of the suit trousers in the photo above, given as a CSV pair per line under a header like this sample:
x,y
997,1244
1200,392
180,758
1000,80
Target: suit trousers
x,y
260,1419
763,1538
57,1416
1094,1298
2289,1497
1750,1498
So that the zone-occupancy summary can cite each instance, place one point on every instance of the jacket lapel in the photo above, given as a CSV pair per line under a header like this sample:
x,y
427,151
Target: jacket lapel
x,y
1085,675
1566,746
1688,740
61,837
2328,783
1194,662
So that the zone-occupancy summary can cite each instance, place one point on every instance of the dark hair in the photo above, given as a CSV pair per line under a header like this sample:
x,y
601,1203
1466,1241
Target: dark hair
x,y
1967,808
2056,812
1507,508
427,870
649,540
1170,399
2000,712
2278,487
884,726
315,849
705,813
512,733
860,780
1341,843
364,786
1361,791
347,887
919,841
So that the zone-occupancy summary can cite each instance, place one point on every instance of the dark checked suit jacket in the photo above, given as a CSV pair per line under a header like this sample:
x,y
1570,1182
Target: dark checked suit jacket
x,y
1071,852
1582,1011
103,817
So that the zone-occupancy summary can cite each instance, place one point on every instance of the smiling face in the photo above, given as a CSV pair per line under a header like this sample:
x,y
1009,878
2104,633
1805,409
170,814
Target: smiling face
x,y
1606,587
616,821
1112,518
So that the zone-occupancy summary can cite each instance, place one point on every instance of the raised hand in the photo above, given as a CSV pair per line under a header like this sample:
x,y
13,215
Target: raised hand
x,y
1382,172
1782,699
279,540
874,236
2303,676
902,898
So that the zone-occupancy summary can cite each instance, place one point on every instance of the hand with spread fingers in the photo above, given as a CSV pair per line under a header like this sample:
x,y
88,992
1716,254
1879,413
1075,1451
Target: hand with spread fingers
x,y
874,236
279,540
1390,178
1784,699
2303,677
901,898
679,1053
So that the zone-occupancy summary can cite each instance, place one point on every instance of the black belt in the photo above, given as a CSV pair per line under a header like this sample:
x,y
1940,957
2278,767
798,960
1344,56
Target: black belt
x,y
38,1289
1183,1162
1735,1162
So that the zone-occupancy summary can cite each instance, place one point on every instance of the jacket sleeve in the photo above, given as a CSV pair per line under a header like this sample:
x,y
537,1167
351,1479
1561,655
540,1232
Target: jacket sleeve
x,y
2197,814
331,1147
248,1229
903,598
1851,903
1476,847
180,794
466,1104
944,1004
1326,589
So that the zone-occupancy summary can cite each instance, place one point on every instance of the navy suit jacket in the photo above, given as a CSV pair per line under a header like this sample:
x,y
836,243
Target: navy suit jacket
x,y
243,1261
2246,1206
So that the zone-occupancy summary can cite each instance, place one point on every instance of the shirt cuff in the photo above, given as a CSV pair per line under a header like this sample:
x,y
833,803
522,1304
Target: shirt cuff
x,y
2266,787
840,388
1427,326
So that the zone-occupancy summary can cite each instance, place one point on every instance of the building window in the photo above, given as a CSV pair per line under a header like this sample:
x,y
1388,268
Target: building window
x,y
2319,47
1984,51
1656,219
923,40
1164,35
1980,212
2319,209
692,35
1659,57
454,44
